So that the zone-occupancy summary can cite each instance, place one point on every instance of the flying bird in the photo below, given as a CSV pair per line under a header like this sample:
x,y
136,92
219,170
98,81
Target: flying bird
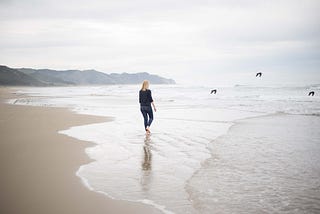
x,y
213,91
259,74
311,93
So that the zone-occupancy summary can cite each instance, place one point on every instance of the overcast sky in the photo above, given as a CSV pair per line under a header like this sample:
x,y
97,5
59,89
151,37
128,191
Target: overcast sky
x,y
193,41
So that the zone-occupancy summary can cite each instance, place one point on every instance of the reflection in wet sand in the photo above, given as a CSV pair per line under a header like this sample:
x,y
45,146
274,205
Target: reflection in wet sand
x,y
146,164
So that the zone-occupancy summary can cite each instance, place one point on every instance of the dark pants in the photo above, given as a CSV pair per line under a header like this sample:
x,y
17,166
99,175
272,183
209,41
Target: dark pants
x,y
147,115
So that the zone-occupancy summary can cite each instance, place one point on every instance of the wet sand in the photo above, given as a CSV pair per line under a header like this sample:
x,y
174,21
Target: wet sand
x,y
38,166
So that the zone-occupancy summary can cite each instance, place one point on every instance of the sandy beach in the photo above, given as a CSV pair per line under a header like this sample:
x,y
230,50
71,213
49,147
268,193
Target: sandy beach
x,y
38,166
253,150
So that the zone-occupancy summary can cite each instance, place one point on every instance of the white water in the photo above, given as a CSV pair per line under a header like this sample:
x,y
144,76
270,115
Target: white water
x,y
166,168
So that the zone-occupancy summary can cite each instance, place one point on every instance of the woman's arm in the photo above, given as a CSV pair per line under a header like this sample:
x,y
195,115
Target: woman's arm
x,y
151,100
154,107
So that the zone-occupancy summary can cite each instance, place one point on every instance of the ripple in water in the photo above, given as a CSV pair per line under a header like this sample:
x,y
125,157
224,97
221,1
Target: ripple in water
x,y
263,165
151,169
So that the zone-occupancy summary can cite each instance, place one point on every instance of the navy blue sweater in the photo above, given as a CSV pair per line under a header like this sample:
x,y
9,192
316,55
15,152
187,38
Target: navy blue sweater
x,y
145,98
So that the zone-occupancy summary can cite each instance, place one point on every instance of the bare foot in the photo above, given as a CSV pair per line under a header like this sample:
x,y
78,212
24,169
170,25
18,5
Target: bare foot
x,y
148,130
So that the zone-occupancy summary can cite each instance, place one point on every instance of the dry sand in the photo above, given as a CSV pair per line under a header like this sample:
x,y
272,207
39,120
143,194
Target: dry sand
x,y
38,165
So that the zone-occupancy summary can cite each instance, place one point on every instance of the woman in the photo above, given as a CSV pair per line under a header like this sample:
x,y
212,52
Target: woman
x,y
146,101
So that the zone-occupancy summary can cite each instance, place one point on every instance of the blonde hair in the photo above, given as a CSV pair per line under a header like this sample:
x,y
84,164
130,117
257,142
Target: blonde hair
x,y
145,85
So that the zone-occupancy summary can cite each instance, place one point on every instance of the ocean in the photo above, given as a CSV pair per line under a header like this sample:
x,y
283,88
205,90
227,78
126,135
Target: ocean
x,y
246,149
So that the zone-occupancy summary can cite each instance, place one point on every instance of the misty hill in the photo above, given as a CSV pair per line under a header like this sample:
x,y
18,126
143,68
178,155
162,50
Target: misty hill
x,y
69,77
48,77
9,76
126,78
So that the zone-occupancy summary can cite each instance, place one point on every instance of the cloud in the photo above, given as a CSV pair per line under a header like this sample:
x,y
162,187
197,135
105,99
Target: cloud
x,y
186,40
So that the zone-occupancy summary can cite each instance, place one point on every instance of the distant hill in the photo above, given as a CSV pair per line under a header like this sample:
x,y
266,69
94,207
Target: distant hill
x,y
9,76
69,77
48,77
126,78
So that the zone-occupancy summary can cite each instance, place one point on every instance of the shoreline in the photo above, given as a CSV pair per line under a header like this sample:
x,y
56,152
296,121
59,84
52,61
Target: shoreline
x,y
233,139
39,165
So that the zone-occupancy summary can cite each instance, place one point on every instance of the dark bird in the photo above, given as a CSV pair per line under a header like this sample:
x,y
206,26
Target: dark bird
x,y
311,93
259,74
213,91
